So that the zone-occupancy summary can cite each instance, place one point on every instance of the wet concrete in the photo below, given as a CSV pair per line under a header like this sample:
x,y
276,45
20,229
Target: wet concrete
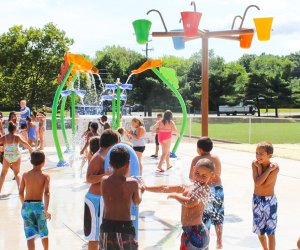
x,y
159,220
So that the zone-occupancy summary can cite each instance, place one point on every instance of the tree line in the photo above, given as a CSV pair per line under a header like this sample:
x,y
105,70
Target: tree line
x,y
30,61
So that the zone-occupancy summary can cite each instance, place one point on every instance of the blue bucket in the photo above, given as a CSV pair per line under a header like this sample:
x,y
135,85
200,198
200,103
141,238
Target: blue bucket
x,y
178,41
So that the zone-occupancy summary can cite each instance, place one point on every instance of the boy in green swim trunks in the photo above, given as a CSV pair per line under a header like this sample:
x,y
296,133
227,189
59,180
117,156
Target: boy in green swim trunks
x,y
36,184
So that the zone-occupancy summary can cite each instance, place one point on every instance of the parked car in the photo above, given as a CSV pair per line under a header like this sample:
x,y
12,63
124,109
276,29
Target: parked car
x,y
137,107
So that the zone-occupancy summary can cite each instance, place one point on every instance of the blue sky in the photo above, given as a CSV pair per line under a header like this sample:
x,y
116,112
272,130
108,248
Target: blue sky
x,y
94,24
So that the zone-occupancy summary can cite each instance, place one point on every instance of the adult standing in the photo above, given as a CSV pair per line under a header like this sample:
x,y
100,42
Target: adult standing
x,y
24,113
137,134
165,128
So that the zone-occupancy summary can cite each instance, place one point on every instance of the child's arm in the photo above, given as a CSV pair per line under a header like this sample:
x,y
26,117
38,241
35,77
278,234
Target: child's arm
x,y
191,199
94,172
193,163
137,194
22,188
47,196
165,189
86,144
139,132
260,179
25,143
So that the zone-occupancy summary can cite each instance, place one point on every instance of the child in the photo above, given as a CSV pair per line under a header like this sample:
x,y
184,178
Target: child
x,y
214,211
193,197
94,146
103,122
93,201
118,191
12,154
31,132
124,135
264,200
34,212
41,115
158,118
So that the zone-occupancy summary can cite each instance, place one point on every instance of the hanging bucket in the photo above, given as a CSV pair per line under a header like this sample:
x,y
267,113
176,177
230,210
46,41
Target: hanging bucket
x,y
190,22
178,41
141,29
263,28
246,40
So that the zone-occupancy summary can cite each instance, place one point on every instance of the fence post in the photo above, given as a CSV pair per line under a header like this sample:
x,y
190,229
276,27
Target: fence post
x,y
249,131
190,125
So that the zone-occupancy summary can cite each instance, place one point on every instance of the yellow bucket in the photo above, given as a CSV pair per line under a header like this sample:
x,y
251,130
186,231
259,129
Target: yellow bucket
x,y
263,28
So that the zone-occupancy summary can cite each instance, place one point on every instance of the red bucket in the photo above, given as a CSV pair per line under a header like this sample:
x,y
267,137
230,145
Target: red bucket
x,y
190,22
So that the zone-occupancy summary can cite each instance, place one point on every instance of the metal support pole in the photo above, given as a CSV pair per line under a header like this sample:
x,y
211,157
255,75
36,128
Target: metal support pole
x,y
205,91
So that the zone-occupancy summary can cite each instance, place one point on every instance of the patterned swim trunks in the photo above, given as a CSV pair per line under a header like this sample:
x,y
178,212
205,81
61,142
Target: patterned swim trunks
x,y
35,222
194,238
214,210
264,214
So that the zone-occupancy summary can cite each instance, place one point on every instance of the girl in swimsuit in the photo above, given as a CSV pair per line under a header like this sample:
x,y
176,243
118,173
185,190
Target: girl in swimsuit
x,y
31,128
165,128
12,155
42,127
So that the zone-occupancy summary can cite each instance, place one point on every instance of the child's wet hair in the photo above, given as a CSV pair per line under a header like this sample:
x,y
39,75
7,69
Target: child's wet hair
x,y
205,143
11,127
94,144
37,157
159,115
104,118
267,146
121,131
109,138
119,156
94,126
206,163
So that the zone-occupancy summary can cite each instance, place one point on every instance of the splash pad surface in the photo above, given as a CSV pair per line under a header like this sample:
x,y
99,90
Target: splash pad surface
x,y
158,227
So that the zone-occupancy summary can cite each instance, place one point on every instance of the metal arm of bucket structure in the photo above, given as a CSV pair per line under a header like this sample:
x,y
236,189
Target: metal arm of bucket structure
x,y
234,19
246,10
160,18
193,3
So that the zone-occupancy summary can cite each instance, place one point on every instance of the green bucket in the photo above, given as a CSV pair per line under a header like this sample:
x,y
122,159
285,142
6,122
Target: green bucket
x,y
141,29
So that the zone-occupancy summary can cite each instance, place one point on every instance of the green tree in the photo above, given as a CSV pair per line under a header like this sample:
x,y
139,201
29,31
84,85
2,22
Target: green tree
x,y
30,60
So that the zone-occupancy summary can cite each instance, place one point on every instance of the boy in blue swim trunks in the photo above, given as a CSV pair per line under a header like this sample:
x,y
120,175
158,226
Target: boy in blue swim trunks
x,y
193,197
264,200
214,210
93,203
36,184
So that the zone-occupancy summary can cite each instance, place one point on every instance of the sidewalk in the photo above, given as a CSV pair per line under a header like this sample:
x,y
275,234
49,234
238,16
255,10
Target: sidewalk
x,y
160,218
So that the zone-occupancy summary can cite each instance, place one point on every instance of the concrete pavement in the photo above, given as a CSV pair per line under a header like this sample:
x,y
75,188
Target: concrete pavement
x,y
159,218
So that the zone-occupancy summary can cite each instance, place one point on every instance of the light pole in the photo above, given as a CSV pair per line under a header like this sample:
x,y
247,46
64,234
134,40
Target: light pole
x,y
204,35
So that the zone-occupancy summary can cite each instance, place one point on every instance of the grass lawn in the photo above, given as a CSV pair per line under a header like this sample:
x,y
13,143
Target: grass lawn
x,y
275,132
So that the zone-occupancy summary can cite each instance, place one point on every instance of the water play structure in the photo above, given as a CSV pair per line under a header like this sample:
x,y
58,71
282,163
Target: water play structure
x,y
190,31
116,93
135,172
168,76
70,70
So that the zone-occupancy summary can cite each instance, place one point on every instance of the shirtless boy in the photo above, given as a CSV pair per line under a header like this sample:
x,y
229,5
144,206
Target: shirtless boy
x,y
264,200
36,184
118,190
214,210
193,197
95,171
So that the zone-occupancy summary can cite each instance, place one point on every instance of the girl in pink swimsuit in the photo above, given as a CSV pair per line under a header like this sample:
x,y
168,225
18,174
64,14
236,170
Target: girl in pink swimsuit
x,y
12,155
165,127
